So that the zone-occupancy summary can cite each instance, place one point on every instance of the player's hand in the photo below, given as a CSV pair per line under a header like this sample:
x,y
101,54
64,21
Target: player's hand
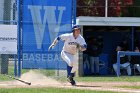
x,y
78,45
51,47
81,47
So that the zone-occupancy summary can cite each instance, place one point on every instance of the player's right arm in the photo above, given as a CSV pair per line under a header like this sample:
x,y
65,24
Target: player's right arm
x,y
54,43
61,37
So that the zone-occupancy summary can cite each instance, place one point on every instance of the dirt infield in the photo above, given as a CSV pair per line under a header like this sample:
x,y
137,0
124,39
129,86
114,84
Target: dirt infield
x,y
39,80
106,86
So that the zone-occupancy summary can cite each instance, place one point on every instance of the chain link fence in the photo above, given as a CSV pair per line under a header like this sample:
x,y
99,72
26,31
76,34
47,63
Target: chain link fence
x,y
9,61
34,57
8,16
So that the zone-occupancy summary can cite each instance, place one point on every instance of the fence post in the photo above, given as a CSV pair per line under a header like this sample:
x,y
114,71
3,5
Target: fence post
x,y
15,65
118,63
19,38
4,63
74,11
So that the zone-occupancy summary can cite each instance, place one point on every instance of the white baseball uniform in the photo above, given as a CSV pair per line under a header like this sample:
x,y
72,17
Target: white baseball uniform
x,y
69,51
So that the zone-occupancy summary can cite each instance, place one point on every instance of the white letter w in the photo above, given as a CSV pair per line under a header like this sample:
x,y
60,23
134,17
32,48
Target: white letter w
x,y
39,25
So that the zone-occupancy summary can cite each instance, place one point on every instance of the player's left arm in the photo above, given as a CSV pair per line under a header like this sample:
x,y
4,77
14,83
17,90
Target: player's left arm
x,y
82,45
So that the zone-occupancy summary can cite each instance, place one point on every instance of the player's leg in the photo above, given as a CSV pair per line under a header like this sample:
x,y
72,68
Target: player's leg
x,y
115,67
73,60
71,79
97,65
70,75
137,66
127,67
68,59
69,68
74,68
129,70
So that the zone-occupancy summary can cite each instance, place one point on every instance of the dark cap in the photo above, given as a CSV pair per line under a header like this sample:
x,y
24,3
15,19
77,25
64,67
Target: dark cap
x,y
76,27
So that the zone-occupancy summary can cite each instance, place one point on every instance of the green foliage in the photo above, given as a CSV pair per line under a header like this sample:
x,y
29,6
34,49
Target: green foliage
x,y
116,8
136,9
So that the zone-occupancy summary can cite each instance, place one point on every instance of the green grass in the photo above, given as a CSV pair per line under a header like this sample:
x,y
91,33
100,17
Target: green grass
x,y
4,78
79,79
48,90
109,79
131,87
60,90
11,70
43,71
11,73
105,79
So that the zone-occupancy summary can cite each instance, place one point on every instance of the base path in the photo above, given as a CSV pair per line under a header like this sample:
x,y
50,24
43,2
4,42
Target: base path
x,y
39,80
100,86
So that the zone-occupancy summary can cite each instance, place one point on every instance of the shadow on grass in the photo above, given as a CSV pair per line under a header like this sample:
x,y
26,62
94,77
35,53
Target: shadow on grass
x,y
80,85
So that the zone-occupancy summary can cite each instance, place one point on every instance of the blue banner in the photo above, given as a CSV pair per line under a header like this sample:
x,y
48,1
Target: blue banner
x,y
42,22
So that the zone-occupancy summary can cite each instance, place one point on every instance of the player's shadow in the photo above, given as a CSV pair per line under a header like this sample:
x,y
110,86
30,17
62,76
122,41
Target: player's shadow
x,y
79,85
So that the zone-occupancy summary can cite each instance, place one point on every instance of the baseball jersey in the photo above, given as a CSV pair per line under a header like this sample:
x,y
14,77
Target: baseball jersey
x,y
70,43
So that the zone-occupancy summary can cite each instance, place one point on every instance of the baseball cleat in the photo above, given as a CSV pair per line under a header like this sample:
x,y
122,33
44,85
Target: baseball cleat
x,y
73,83
70,80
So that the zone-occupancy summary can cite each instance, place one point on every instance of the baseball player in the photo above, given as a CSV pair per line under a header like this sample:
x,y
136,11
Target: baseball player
x,y
72,43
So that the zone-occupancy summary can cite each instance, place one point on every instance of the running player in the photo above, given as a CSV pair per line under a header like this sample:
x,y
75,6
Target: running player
x,y
72,43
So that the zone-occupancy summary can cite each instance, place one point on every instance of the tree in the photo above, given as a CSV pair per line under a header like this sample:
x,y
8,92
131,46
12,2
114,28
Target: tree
x,y
133,11
116,8
136,8
86,8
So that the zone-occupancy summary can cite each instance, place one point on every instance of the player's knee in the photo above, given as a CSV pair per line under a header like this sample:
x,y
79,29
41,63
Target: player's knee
x,y
70,64
114,66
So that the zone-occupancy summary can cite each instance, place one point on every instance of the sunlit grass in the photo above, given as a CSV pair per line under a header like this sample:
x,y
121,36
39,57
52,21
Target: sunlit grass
x,y
131,87
48,90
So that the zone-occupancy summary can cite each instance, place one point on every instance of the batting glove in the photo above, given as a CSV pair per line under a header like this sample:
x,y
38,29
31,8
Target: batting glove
x,y
51,47
78,45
